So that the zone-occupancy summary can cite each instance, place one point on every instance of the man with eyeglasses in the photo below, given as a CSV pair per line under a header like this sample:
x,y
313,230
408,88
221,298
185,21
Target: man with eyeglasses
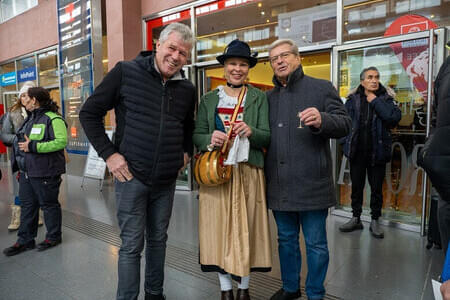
x,y
305,113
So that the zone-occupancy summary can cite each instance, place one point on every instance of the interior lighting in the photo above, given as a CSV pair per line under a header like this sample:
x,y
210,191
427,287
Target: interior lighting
x,y
432,16
259,4
287,29
267,21
345,23
263,13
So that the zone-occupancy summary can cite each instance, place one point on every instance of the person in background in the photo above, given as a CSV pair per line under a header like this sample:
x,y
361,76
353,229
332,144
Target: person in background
x,y
233,222
305,113
374,113
39,157
11,123
154,107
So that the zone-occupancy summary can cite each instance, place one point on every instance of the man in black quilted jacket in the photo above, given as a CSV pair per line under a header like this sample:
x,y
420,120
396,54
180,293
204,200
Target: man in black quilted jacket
x,y
154,108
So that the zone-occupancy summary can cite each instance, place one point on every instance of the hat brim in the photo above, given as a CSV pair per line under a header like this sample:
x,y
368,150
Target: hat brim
x,y
251,60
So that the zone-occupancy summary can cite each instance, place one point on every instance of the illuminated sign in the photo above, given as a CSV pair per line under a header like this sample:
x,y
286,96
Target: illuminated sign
x,y
8,79
26,74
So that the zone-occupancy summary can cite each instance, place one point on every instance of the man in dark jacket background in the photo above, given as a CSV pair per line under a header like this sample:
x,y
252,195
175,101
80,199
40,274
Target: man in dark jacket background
x,y
368,147
298,167
154,106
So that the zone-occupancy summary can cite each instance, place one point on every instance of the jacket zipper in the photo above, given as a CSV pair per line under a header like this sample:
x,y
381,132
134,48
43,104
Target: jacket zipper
x,y
158,143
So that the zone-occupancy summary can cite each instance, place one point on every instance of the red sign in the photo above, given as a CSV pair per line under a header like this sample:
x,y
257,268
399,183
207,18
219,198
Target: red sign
x,y
413,55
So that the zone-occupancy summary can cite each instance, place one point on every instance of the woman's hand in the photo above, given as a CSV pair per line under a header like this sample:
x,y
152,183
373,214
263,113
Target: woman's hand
x,y
218,138
24,145
242,129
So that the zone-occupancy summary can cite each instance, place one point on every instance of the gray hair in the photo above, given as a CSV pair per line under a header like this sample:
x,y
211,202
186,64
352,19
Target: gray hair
x,y
294,47
362,75
183,30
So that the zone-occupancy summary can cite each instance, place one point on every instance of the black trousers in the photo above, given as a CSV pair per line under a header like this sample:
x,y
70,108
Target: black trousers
x,y
35,192
360,166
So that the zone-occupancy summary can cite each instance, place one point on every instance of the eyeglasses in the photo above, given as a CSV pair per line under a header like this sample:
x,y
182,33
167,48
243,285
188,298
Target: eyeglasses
x,y
283,56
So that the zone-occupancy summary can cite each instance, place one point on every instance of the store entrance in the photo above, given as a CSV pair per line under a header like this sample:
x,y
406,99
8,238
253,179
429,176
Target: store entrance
x,y
404,66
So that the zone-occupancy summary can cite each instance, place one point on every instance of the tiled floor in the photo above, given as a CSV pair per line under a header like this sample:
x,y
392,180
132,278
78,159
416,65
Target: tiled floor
x,y
83,267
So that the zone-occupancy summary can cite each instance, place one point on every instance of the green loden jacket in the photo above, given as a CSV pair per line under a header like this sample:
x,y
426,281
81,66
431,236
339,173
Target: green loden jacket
x,y
256,116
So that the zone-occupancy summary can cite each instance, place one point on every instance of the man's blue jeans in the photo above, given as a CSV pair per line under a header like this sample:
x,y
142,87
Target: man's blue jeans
x,y
313,225
142,209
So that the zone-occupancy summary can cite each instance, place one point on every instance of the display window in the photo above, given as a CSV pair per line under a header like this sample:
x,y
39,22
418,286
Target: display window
x,y
403,69
369,19
259,23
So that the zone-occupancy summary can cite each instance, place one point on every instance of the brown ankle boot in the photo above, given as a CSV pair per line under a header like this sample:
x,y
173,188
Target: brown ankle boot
x,y
242,294
227,295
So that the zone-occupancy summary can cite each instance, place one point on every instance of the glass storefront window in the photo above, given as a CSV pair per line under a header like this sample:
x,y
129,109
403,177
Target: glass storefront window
x,y
368,19
403,68
77,83
12,8
26,70
48,69
259,23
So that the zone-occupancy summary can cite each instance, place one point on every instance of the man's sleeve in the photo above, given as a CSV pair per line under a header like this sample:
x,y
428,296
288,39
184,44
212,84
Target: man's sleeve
x,y
105,97
387,110
336,122
189,127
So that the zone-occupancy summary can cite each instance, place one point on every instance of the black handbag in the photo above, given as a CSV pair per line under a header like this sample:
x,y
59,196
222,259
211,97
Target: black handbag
x,y
434,158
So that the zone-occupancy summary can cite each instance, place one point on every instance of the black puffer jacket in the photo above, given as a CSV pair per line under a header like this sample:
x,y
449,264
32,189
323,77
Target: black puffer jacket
x,y
154,120
386,115
435,157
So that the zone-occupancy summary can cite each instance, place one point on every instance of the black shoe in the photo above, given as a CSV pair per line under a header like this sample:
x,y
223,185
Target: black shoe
x,y
242,294
283,295
18,248
149,296
227,295
47,244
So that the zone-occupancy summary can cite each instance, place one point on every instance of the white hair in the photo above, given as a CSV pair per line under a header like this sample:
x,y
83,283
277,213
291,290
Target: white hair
x,y
183,30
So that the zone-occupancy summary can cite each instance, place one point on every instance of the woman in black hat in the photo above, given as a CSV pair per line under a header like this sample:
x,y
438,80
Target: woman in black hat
x,y
233,223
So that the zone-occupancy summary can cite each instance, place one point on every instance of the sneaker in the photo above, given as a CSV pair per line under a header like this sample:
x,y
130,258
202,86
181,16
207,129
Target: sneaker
x,y
353,224
283,295
47,244
376,229
18,248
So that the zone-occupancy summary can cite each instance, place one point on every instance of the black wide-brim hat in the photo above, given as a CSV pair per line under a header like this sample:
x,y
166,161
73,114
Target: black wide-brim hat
x,y
238,49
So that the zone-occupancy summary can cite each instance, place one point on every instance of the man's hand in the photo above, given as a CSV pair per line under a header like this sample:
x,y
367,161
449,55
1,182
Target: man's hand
x,y
370,96
186,161
118,166
445,290
311,117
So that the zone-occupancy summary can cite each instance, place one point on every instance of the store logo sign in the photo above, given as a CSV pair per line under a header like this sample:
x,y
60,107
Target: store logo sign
x,y
8,79
26,74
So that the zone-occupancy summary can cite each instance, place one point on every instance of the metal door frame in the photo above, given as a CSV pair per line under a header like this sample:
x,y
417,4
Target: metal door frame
x,y
439,53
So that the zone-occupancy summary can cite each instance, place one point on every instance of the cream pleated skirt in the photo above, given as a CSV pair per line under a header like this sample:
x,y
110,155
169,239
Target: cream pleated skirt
x,y
233,224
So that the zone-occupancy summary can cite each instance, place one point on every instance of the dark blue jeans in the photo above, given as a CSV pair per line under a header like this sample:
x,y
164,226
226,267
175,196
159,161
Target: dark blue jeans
x,y
142,209
35,192
313,225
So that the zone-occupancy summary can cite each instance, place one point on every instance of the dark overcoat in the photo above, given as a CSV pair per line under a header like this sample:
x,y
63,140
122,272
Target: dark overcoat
x,y
298,164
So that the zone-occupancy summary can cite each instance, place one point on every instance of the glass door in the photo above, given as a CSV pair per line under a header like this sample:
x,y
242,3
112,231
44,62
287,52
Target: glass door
x,y
404,66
